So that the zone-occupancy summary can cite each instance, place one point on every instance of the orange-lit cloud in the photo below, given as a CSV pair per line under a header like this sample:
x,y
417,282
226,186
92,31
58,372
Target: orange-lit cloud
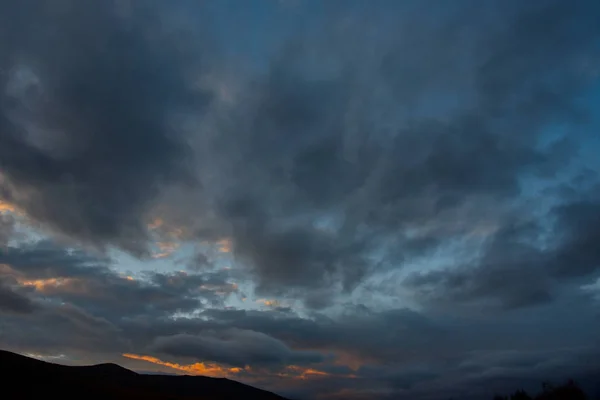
x,y
177,233
11,208
222,290
349,360
165,228
165,249
56,285
293,372
42,284
155,224
53,285
269,303
167,237
224,245
296,372
7,207
206,369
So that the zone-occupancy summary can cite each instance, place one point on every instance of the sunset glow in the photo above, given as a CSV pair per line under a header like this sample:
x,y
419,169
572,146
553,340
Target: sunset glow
x,y
219,371
206,369
224,245
43,285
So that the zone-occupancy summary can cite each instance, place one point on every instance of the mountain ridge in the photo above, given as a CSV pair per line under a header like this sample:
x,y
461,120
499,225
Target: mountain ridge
x,y
112,381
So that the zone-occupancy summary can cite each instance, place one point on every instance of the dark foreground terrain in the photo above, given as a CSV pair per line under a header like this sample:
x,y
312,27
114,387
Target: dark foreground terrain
x,y
28,378
567,391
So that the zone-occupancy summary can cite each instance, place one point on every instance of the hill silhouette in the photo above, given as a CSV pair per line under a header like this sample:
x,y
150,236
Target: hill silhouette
x,y
28,378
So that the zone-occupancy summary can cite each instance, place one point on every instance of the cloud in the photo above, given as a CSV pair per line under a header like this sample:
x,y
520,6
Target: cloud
x,y
415,186
82,303
11,301
369,337
578,224
47,259
319,169
338,188
516,268
88,115
7,228
510,272
400,352
235,347
89,281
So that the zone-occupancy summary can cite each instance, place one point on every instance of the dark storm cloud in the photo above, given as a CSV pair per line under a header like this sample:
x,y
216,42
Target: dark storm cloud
x,y
56,328
515,270
374,335
579,224
198,263
88,119
407,337
322,167
336,164
45,259
235,347
11,301
511,273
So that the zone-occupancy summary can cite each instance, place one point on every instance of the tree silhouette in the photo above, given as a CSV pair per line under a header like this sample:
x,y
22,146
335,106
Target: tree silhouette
x,y
568,391
520,395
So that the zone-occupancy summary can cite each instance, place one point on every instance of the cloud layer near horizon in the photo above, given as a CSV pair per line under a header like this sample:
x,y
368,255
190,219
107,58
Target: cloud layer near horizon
x,y
377,182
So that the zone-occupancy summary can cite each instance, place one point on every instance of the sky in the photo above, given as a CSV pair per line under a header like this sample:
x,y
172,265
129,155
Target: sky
x,y
326,199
